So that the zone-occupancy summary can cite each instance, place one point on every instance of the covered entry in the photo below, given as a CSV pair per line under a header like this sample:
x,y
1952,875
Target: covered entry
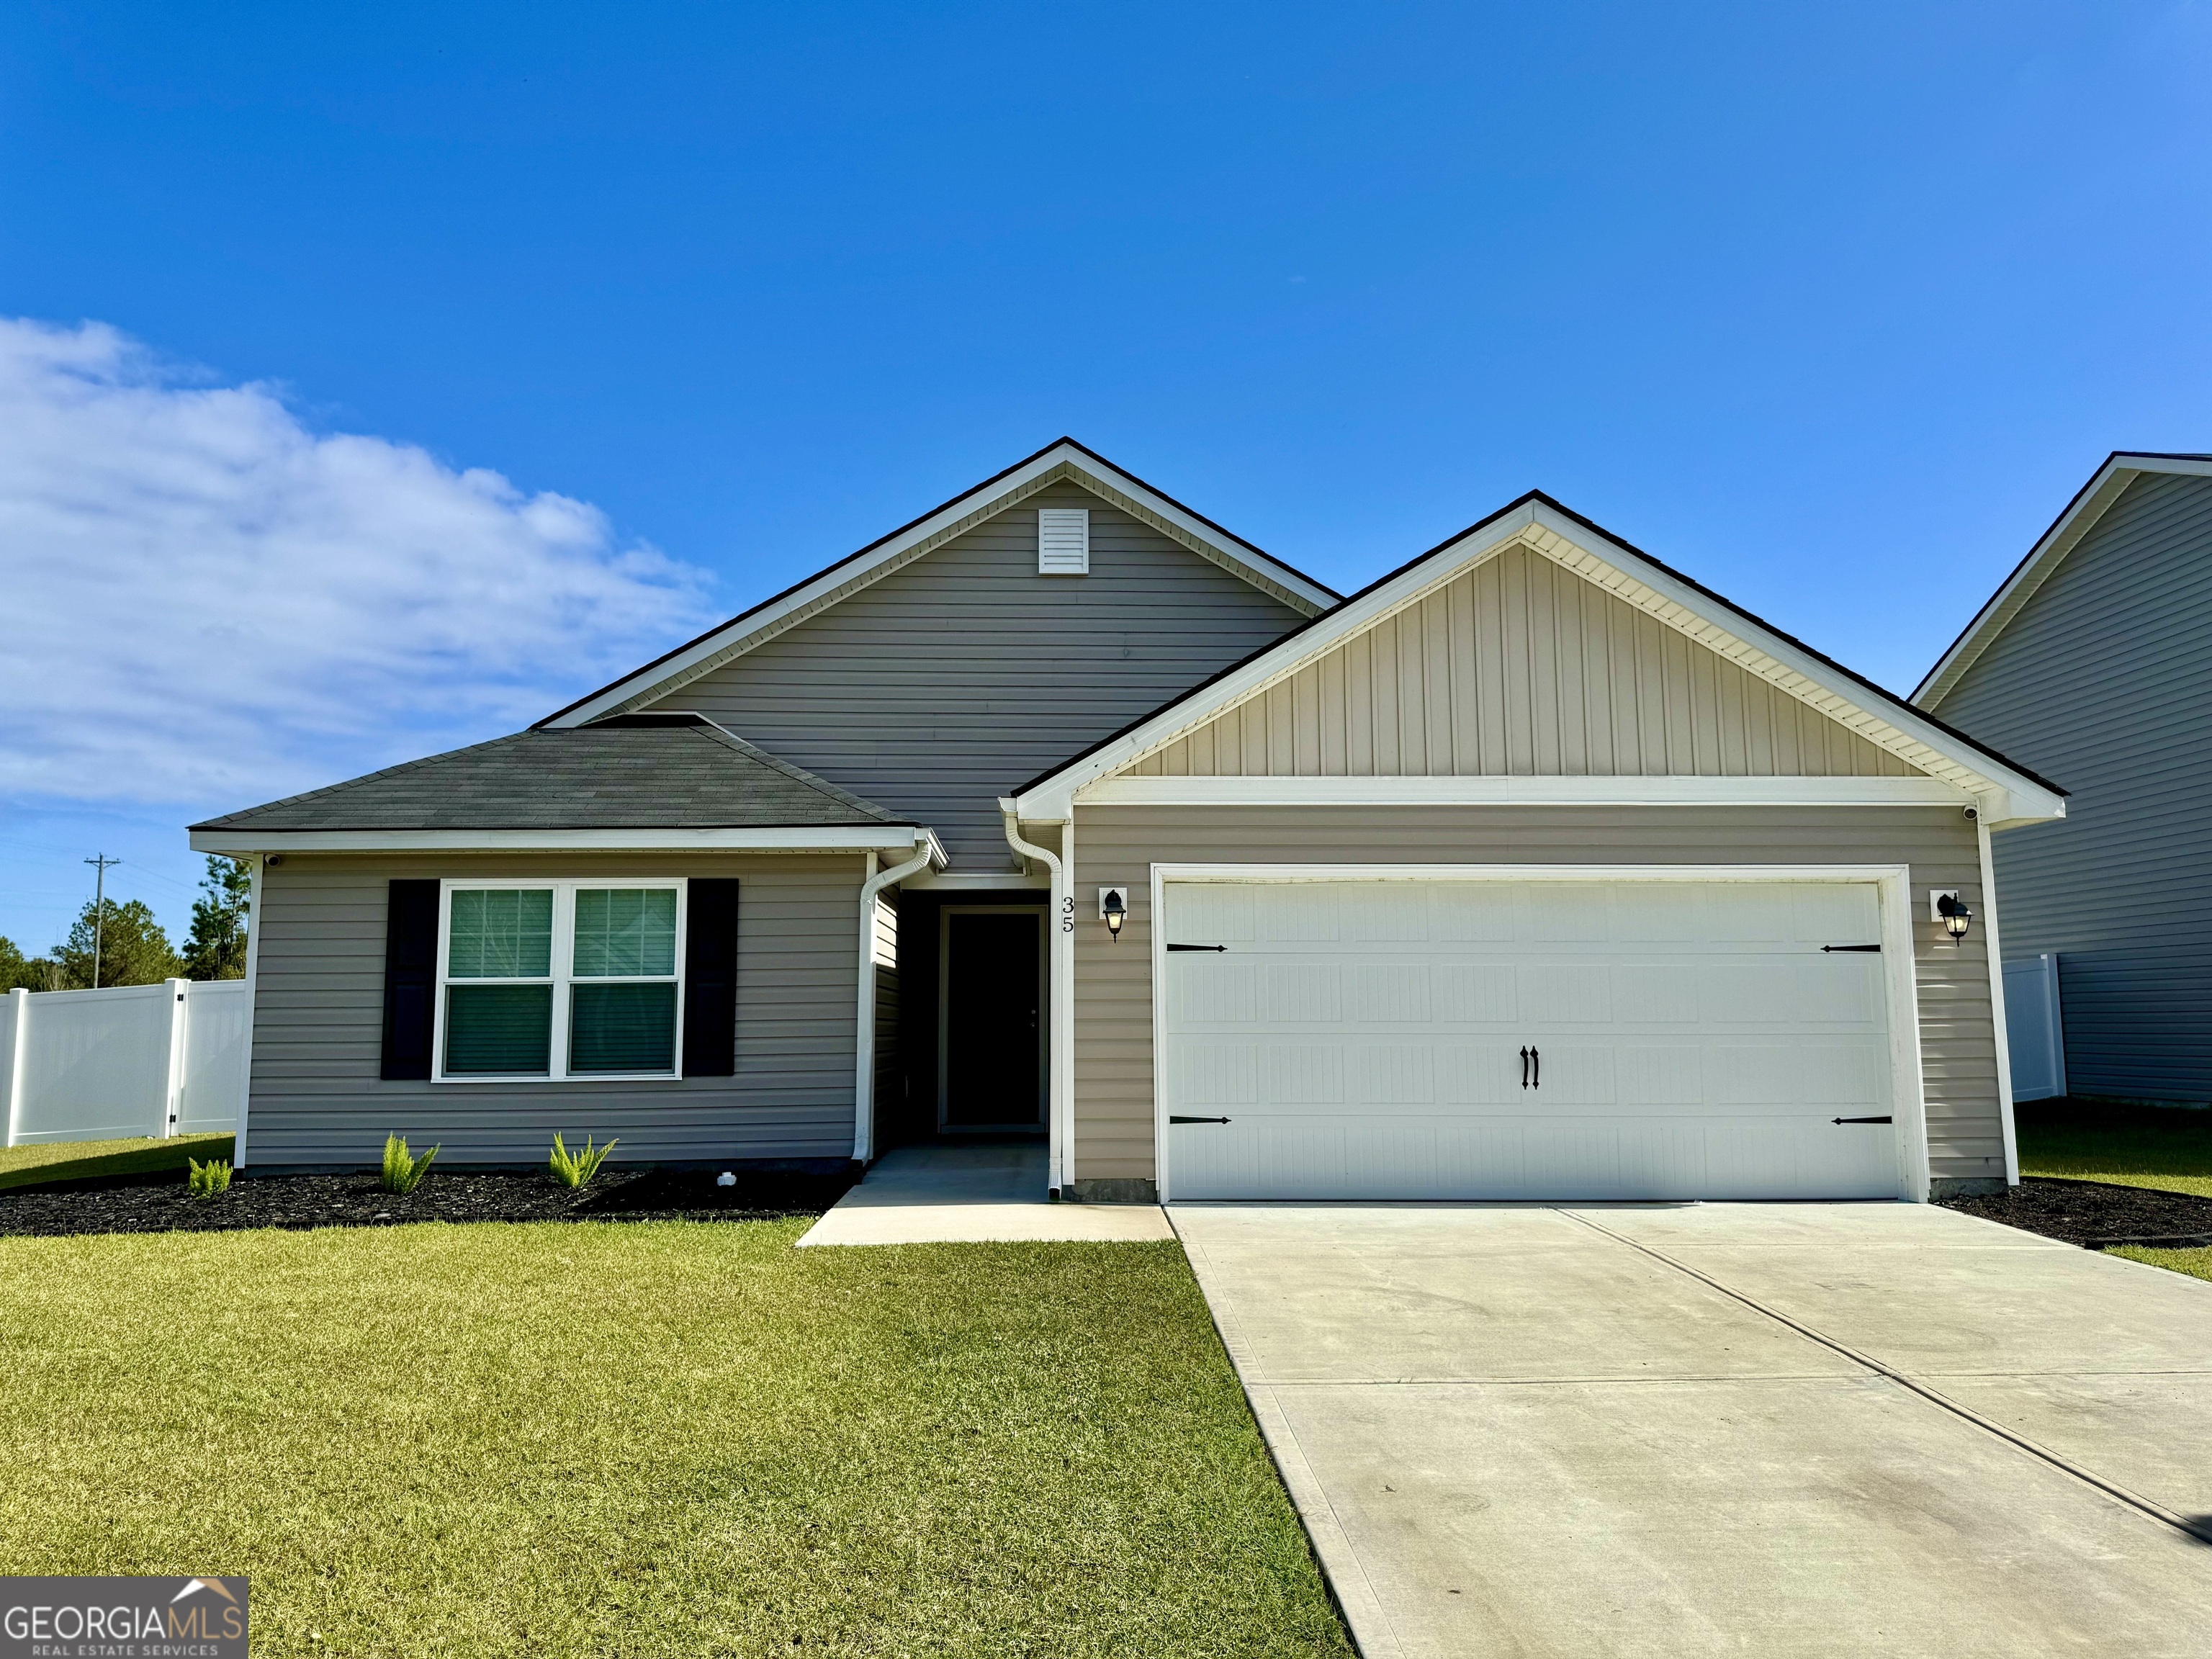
x,y
1588,1034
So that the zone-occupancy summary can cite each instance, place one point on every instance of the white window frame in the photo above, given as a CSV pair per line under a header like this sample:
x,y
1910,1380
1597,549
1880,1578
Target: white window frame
x,y
564,890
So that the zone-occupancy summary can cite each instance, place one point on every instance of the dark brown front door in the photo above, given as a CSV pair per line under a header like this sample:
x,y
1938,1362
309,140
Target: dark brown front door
x,y
993,1019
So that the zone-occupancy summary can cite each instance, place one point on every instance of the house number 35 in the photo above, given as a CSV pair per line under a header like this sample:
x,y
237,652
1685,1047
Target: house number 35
x,y
1067,913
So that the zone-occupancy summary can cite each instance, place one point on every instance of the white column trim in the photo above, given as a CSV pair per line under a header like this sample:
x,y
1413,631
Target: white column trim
x,y
1997,1022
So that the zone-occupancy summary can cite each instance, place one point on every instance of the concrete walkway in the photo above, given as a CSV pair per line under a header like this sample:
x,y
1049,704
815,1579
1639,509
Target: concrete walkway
x,y
943,1194
1723,1428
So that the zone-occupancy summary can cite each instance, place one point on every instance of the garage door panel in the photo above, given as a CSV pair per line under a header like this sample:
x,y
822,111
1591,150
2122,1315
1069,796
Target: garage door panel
x,y
1400,1074
1221,991
1391,992
1565,992
1305,994
1365,1041
1302,1074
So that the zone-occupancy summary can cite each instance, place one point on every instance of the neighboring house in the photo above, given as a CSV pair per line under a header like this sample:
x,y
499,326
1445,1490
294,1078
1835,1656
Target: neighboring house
x,y
2093,662
1533,871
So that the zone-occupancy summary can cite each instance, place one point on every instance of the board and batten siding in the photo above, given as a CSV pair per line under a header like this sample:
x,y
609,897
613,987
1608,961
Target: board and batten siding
x,y
2103,683
1519,667
318,1023
1118,845
950,682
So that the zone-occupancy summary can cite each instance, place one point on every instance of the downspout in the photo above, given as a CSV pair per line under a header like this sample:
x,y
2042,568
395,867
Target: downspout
x,y
1997,1001
253,907
1061,1095
864,1034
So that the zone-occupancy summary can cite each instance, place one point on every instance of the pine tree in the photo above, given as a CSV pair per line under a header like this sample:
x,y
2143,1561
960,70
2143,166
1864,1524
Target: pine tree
x,y
133,949
215,948
30,974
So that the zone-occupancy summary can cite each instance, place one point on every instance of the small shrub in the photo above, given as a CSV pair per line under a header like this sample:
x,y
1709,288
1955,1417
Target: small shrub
x,y
206,1180
574,1169
402,1174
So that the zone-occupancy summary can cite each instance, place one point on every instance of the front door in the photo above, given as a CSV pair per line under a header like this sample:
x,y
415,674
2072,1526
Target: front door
x,y
991,1047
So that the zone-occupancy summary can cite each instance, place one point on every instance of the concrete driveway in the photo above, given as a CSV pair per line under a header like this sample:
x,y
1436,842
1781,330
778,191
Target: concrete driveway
x,y
1759,1429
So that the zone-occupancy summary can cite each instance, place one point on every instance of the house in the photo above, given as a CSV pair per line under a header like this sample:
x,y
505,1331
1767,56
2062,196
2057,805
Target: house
x,y
2094,661
1532,870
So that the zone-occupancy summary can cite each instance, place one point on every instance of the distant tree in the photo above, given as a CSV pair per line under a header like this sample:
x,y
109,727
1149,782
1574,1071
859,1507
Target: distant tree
x,y
215,948
29,973
133,949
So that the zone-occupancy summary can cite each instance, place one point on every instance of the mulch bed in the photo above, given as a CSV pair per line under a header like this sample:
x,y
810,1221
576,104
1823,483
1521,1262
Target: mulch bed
x,y
160,1204
2096,1213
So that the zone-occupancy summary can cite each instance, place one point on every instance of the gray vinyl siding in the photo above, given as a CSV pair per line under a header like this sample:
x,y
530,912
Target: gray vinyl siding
x,y
318,1013
945,684
2103,681
1120,845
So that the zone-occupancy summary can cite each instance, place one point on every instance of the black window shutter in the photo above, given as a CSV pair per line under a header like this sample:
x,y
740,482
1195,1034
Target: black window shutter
x,y
410,977
710,980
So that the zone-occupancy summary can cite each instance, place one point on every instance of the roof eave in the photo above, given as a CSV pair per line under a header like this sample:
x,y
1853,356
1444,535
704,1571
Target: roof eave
x,y
2080,516
1052,795
668,672
244,841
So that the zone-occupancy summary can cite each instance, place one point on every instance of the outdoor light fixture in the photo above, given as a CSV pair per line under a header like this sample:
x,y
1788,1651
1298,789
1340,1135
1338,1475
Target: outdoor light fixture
x,y
1951,910
1113,910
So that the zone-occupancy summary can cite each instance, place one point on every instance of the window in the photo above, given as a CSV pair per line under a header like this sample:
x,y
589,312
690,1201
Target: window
x,y
560,980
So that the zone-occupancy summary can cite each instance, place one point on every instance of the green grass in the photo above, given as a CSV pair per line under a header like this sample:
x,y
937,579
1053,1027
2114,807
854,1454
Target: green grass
x,y
67,1160
2198,1264
655,1438
2165,1147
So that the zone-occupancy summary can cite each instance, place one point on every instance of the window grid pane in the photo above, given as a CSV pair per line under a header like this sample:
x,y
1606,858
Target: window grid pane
x,y
501,932
622,1027
498,1030
624,931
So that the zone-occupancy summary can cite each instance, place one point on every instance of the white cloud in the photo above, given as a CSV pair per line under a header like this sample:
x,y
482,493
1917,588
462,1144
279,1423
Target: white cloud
x,y
204,602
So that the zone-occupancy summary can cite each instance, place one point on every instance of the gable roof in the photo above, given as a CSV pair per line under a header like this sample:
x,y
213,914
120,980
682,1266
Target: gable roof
x,y
1063,459
651,772
1537,521
2121,468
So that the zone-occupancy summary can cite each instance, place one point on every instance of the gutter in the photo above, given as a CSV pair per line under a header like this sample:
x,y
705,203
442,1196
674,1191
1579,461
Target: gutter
x,y
1059,1114
927,851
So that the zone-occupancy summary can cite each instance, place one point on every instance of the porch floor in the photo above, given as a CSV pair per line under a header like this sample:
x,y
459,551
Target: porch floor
x,y
941,1195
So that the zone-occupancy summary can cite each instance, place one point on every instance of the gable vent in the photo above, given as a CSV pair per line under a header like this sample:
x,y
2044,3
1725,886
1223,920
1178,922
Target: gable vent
x,y
1063,541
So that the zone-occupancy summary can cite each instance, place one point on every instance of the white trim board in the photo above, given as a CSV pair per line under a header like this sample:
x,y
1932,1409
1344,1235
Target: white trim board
x,y
2121,469
2005,795
1892,882
855,839
1126,791
1064,461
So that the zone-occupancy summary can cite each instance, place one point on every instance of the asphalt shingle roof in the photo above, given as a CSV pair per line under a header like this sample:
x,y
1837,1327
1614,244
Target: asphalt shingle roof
x,y
643,772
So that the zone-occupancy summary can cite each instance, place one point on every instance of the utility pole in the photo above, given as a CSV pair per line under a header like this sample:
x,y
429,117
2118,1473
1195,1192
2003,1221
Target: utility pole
x,y
99,910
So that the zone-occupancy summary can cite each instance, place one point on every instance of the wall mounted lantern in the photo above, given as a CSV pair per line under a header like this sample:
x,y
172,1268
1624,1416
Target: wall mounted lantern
x,y
1951,911
1112,909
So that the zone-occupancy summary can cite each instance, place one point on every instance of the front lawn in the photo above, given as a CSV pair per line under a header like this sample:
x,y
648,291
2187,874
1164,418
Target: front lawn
x,y
2161,1146
69,1160
675,1438
2198,1264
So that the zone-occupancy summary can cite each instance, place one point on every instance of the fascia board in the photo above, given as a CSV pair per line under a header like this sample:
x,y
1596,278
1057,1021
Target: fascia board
x,y
2079,519
838,838
668,673
1054,798
1523,791
1695,619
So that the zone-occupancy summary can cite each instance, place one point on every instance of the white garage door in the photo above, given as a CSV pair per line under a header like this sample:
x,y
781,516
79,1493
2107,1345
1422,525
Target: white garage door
x,y
1539,1039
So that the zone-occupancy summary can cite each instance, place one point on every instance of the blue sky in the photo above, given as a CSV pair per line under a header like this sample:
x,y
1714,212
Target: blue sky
x,y
1830,307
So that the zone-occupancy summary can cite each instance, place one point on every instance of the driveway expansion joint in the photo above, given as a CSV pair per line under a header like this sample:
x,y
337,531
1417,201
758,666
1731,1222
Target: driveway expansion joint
x,y
2197,1529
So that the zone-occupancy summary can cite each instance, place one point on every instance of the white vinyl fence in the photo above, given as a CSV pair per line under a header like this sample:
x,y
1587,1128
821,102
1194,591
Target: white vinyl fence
x,y
2038,1036
133,1059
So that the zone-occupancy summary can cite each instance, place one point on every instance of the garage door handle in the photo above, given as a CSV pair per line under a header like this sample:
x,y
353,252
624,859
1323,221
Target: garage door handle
x,y
1532,1069
1173,1119
1863,1120
1198,947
